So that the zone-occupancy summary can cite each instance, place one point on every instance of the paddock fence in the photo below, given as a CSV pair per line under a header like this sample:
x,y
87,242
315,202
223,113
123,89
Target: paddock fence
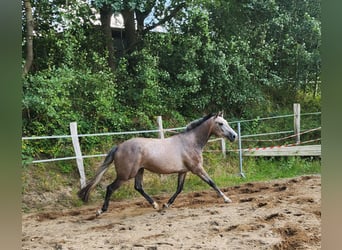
x,y
276,143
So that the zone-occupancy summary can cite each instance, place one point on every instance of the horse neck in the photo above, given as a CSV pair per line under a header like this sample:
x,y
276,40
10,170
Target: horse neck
x,y
202,133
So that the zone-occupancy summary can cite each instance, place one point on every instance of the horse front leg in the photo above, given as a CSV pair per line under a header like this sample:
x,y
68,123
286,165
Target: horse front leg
x,y
205,177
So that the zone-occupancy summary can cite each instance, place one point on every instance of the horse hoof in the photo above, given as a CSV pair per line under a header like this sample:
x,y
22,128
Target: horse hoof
x,y
227,200
165,206
98,212
155,205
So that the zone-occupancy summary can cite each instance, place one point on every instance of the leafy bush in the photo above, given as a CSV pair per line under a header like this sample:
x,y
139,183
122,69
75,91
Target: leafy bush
x,y
54,98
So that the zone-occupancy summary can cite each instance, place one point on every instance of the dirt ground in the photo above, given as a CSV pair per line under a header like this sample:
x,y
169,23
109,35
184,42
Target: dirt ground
x,y
280,214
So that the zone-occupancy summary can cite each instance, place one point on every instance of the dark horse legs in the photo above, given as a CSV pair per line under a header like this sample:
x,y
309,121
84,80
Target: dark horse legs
x,y
110,189
205,177
180,184
138,186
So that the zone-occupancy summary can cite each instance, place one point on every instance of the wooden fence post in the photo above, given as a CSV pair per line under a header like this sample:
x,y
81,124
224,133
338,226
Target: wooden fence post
x,y
77,148
223,147
223,144
296,119
161,136
160,127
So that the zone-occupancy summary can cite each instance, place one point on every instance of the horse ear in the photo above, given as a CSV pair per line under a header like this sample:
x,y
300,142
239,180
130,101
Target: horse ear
x,y
218,114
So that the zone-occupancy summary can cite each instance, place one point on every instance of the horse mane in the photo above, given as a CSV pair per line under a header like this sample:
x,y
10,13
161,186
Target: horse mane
x,y
196,123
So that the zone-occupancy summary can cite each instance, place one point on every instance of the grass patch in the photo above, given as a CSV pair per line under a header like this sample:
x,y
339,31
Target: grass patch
x,y
281,167
225,172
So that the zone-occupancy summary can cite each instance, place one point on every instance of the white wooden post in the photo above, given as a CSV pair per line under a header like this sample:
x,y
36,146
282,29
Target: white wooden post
x,y
223,143
223,147
160,127
296,119
77,148
161,136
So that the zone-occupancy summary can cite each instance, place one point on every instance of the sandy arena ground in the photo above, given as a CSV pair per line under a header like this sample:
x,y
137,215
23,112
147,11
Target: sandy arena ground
x,y
280,214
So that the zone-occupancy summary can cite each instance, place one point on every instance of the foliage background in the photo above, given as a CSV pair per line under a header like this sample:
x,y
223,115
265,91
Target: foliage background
x,y
249,58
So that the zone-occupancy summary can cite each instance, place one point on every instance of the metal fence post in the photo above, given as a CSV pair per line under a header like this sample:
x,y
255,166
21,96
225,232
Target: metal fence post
x,y
240,151
77,148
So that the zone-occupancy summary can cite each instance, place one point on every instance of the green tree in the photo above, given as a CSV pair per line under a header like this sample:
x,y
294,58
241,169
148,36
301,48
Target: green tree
x,y
244,57
135,14
63,34
279,42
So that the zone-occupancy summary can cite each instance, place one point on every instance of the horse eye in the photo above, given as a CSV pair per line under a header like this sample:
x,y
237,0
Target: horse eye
x,y
220,123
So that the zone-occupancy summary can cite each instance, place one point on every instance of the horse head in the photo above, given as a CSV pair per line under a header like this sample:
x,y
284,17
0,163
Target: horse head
x,y
221,128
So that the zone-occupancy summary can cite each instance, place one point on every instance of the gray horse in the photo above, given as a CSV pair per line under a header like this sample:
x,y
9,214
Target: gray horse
x,y
180,154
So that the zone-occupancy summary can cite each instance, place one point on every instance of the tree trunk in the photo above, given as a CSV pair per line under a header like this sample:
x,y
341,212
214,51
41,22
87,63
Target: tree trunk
x,y
29,37
105,16
130,30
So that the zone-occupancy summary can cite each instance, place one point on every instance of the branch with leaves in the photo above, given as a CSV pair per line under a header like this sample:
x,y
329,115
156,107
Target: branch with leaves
x,y
172,13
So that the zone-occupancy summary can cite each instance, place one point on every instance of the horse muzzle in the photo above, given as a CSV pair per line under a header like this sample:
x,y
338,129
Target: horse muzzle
x,y
232,137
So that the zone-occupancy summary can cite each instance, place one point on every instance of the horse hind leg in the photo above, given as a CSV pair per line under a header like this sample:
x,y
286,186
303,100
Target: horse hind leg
x,y
110,189
180,184
138,186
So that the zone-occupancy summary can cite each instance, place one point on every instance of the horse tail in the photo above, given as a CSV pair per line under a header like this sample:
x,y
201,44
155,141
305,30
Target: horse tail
x,y
83,194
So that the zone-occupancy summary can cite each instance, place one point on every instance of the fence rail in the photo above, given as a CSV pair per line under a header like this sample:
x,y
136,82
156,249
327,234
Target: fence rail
x,y
295,133
309,150
101,134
